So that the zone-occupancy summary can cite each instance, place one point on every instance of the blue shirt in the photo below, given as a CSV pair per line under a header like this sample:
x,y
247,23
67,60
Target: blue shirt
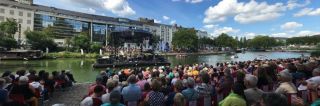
x,y
132,92
109,104
190,94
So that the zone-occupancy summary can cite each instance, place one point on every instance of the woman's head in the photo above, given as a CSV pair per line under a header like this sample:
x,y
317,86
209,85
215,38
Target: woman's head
x,y
238,89
179,100
285,76
155,85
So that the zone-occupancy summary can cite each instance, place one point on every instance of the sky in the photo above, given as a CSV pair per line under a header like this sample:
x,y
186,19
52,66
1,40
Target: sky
x,y
249,18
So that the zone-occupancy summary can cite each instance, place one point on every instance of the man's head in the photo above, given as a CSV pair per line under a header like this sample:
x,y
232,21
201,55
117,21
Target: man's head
x,y
316,72
98,90
250,81
273,99
190,82
115,97
132,79
23,80
110,85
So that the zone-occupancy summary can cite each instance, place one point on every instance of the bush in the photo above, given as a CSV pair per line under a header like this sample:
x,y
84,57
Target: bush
x,y
8,42
95,47
71,55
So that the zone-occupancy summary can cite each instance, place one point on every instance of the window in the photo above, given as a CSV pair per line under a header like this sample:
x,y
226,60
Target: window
x,y
20,21
29,14
28,21
1,10
12,12
1,18
20,13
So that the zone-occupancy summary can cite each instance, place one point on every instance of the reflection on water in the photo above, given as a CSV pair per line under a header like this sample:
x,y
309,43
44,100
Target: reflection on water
x,y
83,71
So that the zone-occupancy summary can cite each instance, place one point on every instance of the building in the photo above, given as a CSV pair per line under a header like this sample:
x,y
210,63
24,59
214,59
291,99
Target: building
x,y
23,16
202,34
67,24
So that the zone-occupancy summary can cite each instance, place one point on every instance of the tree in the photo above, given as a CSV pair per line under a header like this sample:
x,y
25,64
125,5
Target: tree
x,y
262,42
205,42
9,27
40,41
224,40
185,39
81,41
8,42
304,40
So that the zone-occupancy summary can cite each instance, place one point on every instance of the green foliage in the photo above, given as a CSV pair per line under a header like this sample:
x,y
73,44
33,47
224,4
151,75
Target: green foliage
x,y
224,40
82,41
71,55
262,42
243,42
40,41
305,40
9,27
206,41
95,47
185,39
8,42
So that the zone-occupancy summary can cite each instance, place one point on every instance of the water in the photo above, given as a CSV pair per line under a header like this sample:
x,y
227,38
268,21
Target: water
x,y
83,71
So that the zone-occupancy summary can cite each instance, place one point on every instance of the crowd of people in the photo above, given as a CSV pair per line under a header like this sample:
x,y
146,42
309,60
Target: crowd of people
x,y
29,88
274,82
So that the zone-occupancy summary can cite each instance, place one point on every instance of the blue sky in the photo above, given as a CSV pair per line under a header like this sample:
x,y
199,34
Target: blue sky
x,y
278,18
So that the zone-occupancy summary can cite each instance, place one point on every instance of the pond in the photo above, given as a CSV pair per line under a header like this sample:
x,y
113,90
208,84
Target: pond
x,y
83,71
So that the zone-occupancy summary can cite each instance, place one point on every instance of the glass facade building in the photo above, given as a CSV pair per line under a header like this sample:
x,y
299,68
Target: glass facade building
x,y
69,27
99,32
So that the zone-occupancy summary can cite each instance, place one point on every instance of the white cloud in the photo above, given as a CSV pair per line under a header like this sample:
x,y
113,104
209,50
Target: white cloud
x,y
243,12
119,7
308,11
91,10
157,21
228,30
292,4
307,33
249,35
165,17
173,22
282,34
293,34
290,25
210,26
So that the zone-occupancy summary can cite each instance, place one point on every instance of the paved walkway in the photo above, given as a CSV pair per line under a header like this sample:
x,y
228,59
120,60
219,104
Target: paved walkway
x,y
70,97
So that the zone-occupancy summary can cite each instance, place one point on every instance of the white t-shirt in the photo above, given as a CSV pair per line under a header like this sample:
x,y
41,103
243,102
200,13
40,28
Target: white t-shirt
x,y
105,98
87,102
